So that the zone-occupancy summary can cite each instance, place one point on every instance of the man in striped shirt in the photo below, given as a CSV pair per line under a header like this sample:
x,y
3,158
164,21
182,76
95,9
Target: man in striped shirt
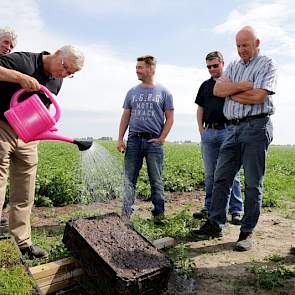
x,y
248,85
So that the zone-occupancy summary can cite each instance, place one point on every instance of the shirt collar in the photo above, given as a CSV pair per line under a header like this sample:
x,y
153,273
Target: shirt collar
x,y
251,59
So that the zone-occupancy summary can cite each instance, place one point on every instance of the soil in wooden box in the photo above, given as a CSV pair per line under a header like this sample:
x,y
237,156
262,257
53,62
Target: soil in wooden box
x,y
122,252
13,277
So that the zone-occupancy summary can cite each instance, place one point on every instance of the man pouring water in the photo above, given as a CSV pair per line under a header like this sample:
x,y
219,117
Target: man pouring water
x,y
27,70
148,111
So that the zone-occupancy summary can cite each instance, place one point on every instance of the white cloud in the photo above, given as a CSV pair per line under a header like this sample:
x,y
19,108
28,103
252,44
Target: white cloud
x,y
270,21
99,89
102,84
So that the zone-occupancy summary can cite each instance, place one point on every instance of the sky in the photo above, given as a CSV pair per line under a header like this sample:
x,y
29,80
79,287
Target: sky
x,y
113,33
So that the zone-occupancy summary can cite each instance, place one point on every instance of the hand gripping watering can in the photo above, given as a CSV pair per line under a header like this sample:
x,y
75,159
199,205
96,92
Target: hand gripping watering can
x,y
31,120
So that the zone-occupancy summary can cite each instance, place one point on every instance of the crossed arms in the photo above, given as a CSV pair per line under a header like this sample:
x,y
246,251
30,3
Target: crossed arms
x,y
242,91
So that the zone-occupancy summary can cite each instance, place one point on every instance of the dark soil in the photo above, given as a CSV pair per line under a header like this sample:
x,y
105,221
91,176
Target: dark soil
x,y
117,243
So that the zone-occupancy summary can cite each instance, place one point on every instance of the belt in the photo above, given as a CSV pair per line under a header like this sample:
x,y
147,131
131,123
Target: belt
x,y
247,119
144,134
218,126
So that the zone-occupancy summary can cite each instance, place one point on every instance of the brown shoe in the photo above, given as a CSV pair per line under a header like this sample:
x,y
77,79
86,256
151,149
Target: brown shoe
x,y
245,242
292,250
34,252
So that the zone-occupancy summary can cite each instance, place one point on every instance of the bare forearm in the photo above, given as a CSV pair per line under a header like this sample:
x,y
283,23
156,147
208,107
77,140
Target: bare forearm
x,y
168,124
8,75
254,96
24,80
228,88
200,112
123,124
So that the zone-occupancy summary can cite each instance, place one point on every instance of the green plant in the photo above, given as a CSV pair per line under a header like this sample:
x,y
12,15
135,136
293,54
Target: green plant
x,y
272,277
13,277
183,265
275,258
59,251
178,225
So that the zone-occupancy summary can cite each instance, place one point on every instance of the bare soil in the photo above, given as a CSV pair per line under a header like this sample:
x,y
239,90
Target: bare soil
x,y
219,269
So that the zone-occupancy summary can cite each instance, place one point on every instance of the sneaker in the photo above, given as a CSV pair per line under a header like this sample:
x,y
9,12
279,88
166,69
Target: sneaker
x,y
208,229
3,221
245,242
159,219
236,218
34,252
203,214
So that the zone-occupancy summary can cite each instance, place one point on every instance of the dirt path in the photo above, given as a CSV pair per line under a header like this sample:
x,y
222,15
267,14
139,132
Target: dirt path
x,y
219,269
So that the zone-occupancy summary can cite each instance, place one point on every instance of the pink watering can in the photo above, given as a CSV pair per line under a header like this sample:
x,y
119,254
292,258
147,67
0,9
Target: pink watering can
x,y
31,120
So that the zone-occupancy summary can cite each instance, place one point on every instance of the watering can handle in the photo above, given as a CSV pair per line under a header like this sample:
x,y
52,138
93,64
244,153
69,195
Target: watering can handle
x,y
14,100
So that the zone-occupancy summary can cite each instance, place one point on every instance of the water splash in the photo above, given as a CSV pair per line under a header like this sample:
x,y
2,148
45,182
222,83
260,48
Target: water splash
x,y
101,174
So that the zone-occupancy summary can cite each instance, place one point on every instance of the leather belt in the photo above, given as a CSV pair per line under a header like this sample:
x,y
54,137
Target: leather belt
x,y
218,126
246,119
144,134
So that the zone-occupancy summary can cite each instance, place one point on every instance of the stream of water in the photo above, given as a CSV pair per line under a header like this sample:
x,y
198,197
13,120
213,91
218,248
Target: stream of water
x,y
101,174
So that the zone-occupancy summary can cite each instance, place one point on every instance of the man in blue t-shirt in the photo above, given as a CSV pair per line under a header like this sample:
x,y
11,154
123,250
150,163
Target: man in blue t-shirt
x,y
148,111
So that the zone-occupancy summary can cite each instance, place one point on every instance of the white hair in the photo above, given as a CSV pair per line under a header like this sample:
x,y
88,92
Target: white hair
x,y
7,31
74,54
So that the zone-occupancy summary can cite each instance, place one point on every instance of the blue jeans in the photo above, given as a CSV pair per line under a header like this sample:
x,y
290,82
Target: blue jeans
x,y
211,141
246,144
137,149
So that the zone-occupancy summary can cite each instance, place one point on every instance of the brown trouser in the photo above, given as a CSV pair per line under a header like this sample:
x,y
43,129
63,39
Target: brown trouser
x,y
20,160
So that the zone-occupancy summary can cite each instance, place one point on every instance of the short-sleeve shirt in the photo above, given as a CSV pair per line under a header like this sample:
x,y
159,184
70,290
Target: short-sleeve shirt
x,y
32,65
148,106
263,73
212,105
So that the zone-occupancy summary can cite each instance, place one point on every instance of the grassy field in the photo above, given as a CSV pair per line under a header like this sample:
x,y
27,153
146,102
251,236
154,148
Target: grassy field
x,y
59,182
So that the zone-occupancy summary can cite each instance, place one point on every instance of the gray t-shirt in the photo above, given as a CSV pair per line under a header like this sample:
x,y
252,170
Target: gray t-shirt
x,y
148,106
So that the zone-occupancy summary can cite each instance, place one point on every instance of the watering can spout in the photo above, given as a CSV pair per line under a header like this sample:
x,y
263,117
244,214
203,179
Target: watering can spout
x,y
83,145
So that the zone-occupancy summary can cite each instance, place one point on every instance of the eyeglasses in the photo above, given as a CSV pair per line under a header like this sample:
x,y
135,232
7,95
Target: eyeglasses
x,y
215,66
66,68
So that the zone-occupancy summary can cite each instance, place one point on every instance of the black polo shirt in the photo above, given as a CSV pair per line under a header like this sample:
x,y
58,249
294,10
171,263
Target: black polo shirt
x,y
213,105
32,65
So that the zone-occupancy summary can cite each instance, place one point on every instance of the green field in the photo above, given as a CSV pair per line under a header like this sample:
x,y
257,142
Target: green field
x,y
59,182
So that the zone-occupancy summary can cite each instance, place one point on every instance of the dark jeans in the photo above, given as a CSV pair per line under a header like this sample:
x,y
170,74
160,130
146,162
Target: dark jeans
x,y
211,141
246,144
139,148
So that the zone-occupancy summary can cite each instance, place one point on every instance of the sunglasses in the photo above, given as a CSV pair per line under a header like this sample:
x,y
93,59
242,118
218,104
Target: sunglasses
x,y
215,66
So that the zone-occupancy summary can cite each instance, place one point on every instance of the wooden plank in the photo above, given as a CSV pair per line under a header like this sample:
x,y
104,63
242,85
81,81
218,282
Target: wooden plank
x,y
164,242
52,268
43,282
59,286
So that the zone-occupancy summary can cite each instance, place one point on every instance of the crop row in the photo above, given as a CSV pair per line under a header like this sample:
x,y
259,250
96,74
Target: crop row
x,y
59,179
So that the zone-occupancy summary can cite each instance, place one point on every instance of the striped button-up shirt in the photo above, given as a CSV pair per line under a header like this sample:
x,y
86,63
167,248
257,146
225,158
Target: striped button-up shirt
x,y
263,73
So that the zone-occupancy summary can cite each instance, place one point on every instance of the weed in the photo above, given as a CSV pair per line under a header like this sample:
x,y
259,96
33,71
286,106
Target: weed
x,y
13,277
183,265
275,258
270,278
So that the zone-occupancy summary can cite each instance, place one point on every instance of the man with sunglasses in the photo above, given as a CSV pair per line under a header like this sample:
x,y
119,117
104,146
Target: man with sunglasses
x,y
249,85
27,70
213,127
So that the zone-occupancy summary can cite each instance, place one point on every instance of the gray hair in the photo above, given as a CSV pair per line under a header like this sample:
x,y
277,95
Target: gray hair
x,y
74,54
7,31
